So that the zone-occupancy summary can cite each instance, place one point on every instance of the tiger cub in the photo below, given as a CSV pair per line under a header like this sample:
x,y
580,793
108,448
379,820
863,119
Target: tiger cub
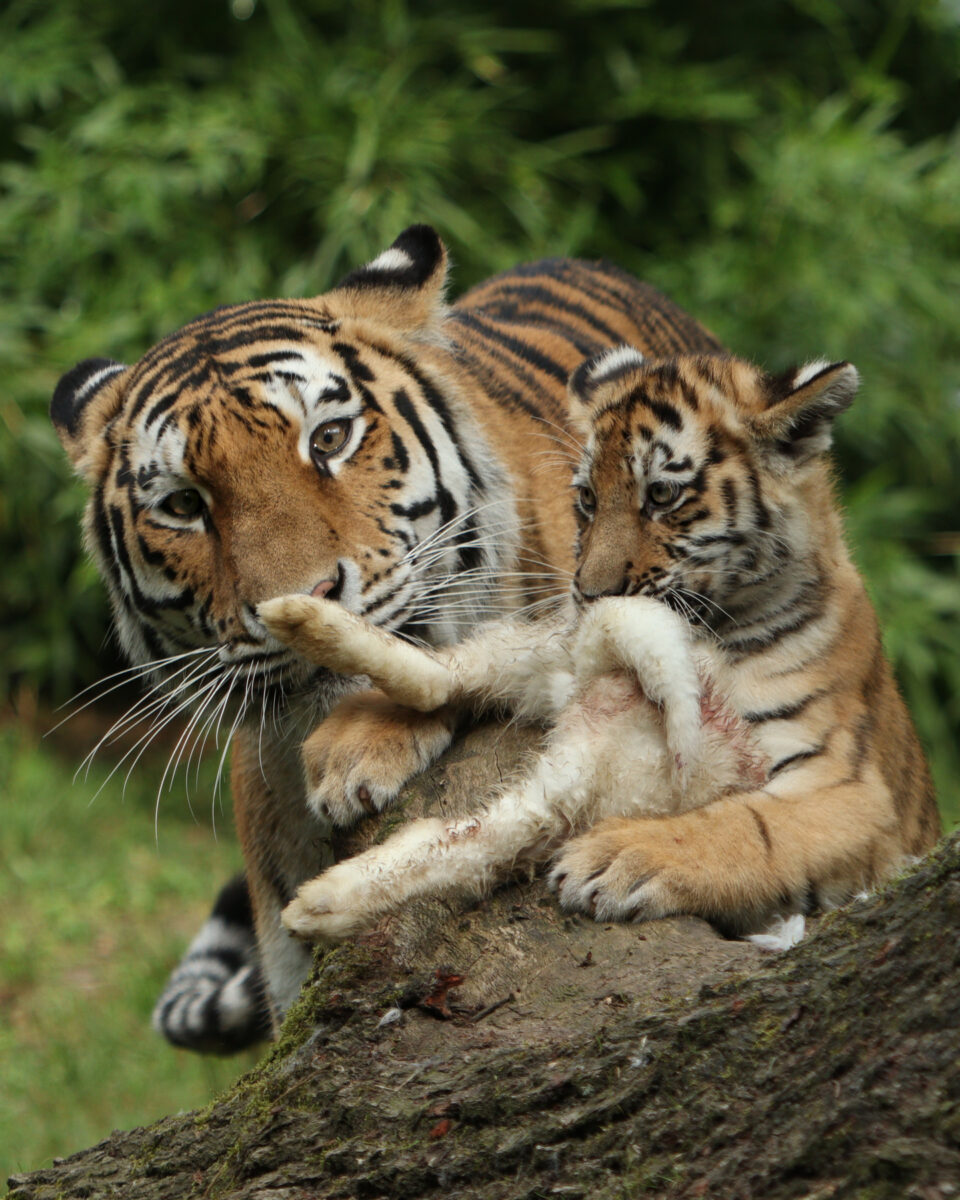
x,y
728,739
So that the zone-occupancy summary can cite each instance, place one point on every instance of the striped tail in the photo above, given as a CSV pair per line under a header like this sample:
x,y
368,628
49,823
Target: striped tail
x,y
215,1000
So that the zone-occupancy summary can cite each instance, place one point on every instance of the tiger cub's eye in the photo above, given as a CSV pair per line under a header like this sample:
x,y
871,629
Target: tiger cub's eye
x,y
328,438
587,499
661,493
185,504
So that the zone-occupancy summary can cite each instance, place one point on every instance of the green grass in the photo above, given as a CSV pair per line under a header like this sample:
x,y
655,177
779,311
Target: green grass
x,y
96,908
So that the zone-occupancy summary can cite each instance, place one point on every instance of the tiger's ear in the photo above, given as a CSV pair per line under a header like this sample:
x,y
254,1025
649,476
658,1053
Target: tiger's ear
x,y
596,382
798,424
403,287
84,402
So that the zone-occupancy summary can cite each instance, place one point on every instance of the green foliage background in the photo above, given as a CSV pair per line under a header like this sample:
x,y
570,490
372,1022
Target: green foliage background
x,y
786,169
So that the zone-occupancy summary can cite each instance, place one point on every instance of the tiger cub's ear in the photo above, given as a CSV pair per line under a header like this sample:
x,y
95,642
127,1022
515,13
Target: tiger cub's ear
x,y
403,287
596,383
86,399
802,404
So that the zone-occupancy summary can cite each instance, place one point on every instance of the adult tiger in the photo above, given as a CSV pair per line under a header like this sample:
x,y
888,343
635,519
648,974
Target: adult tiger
x,y
370,445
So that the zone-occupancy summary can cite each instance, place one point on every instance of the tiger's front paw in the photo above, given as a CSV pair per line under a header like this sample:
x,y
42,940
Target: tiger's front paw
x,y
330,907
624,870
359,758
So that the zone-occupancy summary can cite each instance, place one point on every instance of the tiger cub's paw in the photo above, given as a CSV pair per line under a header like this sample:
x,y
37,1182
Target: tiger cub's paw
x,y
623,870
330,907
359,758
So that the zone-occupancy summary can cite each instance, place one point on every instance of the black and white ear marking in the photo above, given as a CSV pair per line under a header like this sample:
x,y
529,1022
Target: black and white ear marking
x,y
409,262
77,388
404,286
803,404
83,402
608,367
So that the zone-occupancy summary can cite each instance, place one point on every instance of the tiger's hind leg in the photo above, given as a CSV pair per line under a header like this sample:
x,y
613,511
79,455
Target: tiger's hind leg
x,y
215,999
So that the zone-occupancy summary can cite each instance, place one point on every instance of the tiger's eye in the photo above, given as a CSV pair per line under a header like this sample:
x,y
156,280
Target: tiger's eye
x,y
185,504
328,438
661,493
588,500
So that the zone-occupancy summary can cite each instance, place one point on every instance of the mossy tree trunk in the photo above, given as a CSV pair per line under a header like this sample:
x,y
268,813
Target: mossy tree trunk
x,y
578,1060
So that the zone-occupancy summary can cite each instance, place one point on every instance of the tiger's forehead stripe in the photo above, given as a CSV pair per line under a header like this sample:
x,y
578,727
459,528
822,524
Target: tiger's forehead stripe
x,y
184,357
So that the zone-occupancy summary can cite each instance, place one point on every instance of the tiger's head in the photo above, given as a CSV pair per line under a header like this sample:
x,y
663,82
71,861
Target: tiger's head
x,y
281,446
703,480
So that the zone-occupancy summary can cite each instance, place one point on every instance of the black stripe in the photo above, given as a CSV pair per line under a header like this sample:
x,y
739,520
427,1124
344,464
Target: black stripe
x,y
786,712
762,828
523,350
358,370
862,739
585,344
400,455
694,518
772,636
689,394
433,397
470,555
227,956
665,412
142,603
762,512
791,759
261,360
448,507
728,490
733,538
419,508
101,528
537,293
439,405
496,386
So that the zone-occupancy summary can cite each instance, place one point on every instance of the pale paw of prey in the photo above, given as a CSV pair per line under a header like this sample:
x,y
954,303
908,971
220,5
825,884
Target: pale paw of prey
x,y
312,626
322,911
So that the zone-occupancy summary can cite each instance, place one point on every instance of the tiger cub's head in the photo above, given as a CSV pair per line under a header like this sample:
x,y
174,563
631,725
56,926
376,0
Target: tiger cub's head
x,y
704,480
273,447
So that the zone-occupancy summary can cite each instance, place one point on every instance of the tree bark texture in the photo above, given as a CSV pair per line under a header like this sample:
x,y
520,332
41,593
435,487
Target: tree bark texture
x,y
503,1050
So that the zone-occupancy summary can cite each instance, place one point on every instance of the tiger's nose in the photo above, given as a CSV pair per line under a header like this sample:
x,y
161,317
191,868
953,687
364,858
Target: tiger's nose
x,y
596,591
330,588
